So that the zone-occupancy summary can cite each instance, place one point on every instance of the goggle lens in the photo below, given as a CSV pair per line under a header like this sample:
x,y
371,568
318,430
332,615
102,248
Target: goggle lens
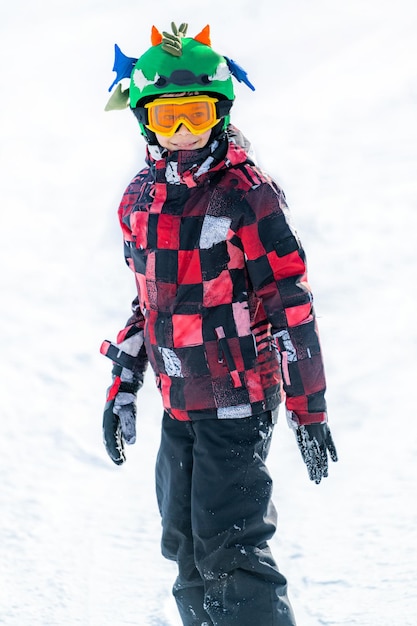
x,y
198,114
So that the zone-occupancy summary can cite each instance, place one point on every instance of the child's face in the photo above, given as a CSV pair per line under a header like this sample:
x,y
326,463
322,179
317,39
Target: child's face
x,y
184,139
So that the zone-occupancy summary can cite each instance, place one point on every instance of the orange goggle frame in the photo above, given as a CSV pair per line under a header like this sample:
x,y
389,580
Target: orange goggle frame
x,y
198,114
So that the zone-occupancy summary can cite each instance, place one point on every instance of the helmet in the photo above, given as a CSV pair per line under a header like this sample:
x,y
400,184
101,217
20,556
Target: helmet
x,y
174,64
191,65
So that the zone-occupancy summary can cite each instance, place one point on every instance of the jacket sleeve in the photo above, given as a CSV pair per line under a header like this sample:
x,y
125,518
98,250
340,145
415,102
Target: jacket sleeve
x,y
276,265
129,350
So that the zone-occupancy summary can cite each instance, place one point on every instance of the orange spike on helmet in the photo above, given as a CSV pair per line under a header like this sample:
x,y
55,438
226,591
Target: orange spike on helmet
x,y
204,36
156,37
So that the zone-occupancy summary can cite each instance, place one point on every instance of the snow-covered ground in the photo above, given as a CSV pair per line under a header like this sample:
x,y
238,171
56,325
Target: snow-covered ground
x,y
334,120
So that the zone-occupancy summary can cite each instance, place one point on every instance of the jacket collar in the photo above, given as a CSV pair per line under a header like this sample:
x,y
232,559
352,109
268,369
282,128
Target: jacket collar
x,y
193,167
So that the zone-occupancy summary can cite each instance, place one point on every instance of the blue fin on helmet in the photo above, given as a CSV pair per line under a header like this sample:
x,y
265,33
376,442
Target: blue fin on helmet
x,y
239,73
123,66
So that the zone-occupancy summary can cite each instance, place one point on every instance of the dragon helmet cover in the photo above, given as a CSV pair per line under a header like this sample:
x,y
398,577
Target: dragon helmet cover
x,y
174,64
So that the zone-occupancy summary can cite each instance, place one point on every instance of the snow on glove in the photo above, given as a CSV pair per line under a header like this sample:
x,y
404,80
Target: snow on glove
x,y
314,442
119,417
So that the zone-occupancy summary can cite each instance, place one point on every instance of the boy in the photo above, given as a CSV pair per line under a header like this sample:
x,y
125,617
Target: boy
x,y
224,315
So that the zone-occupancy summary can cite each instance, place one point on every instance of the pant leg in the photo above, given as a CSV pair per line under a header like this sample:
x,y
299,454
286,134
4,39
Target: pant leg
x,y
174,467
232,520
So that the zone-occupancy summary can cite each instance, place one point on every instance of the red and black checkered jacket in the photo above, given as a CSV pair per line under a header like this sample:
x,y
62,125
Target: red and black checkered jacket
x,y
224,311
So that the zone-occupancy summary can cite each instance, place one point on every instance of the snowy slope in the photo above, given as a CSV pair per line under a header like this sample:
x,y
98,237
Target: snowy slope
x,y
334,120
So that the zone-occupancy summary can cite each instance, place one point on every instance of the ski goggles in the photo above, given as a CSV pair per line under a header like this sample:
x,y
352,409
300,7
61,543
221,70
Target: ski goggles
x,y
197,113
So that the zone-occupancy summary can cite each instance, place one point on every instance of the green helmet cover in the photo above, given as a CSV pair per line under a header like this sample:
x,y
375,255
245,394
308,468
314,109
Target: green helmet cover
x,y
198,68
174,64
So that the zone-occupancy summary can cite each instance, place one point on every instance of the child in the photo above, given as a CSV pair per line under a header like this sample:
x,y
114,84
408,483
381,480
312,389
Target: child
x,y
224,315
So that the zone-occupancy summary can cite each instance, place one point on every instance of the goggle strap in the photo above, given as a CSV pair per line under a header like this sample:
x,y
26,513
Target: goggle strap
x,y
141,114
223,108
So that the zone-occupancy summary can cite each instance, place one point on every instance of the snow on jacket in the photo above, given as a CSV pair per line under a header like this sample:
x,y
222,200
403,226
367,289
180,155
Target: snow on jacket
x,y
224,311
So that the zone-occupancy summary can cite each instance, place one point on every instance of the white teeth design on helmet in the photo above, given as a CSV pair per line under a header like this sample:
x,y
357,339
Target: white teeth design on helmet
x,y
222,72
141,81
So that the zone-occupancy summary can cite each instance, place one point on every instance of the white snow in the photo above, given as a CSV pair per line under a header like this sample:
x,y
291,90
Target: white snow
x,y
333,119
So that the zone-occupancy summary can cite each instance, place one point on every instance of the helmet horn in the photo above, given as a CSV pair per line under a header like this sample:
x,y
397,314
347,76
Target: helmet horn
x,y
204,36
156,37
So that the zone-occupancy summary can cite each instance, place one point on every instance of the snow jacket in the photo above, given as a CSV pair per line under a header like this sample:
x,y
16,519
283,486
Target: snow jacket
x,y
224,313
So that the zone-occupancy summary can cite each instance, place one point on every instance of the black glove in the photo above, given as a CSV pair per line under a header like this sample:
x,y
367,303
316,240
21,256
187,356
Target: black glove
x,y
119,417
314,441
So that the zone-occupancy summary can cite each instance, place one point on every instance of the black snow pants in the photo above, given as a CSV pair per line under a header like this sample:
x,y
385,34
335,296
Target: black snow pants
x,y
214,495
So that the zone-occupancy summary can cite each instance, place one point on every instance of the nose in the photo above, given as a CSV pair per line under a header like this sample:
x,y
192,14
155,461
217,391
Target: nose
x,y
182,130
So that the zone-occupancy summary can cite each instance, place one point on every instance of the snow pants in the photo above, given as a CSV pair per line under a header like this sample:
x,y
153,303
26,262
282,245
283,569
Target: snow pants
x,y
214,496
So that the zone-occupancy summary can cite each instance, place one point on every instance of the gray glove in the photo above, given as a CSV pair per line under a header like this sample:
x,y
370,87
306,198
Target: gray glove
x,y
314,442
119,417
